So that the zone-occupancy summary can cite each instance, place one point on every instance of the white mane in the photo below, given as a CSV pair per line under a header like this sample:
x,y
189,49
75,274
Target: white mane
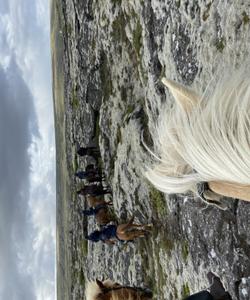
x,y
92,289
209,143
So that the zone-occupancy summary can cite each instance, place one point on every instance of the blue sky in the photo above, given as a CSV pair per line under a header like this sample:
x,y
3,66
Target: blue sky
x,y
27,153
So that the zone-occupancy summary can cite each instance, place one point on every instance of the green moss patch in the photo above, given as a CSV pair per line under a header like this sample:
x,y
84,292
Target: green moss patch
x,y
158,201
105,74
185,251
75,100
118,29
220,44
185,291
245,18
118,136
84,248
137,38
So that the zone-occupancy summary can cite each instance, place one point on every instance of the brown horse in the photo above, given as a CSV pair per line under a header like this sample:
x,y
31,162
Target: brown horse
x,y
94,190
131,231
108,290
124,232
103,216
94,201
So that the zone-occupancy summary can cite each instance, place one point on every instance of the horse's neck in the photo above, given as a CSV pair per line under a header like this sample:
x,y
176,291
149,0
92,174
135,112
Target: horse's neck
x,y
120,293
124,293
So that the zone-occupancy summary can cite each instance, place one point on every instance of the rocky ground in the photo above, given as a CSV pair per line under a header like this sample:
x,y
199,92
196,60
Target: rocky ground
x,y
114,54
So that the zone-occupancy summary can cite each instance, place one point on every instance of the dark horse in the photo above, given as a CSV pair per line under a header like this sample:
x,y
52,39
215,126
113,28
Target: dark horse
x,y
98,208
90,151
94,190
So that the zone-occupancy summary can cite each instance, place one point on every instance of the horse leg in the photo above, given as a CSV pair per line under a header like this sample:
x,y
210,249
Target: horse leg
x,y
131,235
131,231
228,189
137,234
124,227
145,227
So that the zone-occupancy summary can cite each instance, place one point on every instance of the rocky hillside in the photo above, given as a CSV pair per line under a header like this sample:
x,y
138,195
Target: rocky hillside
x,y
114,55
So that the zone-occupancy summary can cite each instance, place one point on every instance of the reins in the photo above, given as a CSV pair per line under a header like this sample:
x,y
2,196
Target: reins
x,y
112,289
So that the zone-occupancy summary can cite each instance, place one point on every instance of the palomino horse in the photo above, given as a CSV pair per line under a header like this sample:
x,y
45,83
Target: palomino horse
x,y
108,290
103,216
205,139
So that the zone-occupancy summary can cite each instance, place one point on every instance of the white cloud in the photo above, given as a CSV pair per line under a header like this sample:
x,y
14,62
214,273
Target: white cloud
x,y
24,34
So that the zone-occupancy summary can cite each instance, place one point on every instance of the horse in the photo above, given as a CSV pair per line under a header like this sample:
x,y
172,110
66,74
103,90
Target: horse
x,y
90,151
109,290
94,190
90,176
103,216
94,201
124,232
205,139
131,231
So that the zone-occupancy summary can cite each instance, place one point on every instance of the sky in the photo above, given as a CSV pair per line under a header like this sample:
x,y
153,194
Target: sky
x,y
27,153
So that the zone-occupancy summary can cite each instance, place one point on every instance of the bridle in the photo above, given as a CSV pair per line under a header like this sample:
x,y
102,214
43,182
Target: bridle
x,y
112,289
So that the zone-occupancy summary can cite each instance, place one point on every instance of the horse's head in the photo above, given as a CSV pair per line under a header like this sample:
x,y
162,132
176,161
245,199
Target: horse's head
x,y
109,290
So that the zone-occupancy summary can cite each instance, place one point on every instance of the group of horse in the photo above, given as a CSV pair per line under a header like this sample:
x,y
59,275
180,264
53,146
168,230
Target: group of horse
x,y
99,208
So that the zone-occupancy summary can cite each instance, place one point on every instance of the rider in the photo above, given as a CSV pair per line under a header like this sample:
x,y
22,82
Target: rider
x,y
92,211
107,235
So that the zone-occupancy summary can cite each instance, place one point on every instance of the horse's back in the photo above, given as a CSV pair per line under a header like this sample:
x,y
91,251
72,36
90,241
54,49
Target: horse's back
x,y
94,201
103,216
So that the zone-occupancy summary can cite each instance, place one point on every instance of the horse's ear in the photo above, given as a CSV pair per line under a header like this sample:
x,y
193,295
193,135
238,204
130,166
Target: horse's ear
x,y
100,284
183,96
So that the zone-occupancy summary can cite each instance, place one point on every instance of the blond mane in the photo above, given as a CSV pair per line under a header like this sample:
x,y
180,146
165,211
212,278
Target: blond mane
x,y
92,290
211,142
